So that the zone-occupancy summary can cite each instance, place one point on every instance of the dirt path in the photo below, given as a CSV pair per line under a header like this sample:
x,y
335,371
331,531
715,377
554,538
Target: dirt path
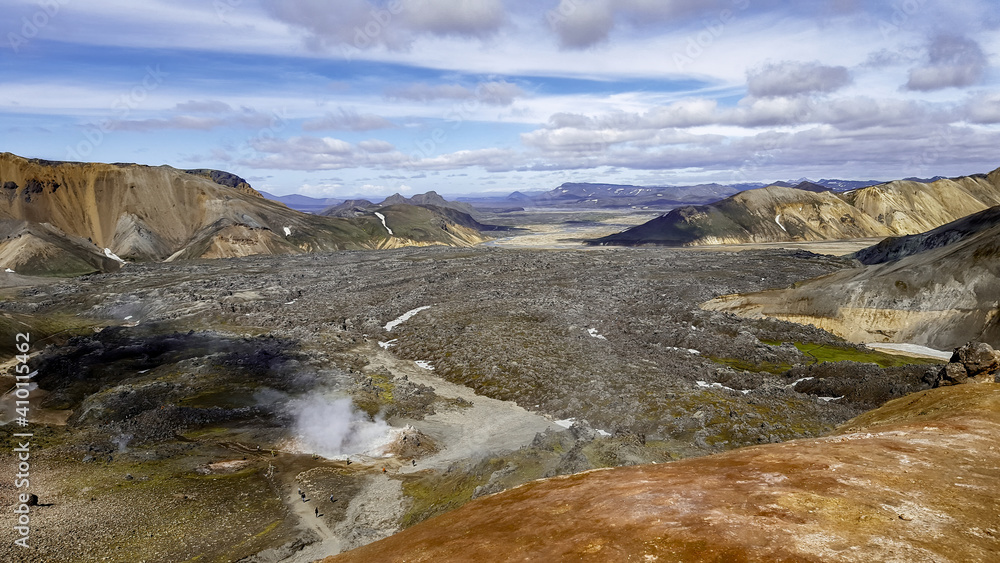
x,y
328,541
488,426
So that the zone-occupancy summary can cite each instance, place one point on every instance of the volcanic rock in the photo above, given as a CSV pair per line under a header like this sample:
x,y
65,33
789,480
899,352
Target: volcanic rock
x,y
976,362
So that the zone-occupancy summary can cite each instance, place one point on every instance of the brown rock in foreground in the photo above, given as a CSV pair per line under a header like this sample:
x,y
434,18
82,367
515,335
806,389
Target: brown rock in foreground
x,y
916,480
976,362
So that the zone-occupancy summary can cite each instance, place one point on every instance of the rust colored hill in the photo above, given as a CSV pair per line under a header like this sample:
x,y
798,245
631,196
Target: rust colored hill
x,y
916,480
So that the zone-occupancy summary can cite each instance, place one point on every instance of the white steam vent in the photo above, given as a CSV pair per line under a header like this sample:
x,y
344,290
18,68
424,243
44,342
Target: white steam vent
x,y
333,428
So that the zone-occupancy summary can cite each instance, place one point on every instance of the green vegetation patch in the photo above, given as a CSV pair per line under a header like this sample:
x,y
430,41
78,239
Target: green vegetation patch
x,y
820,353
176,513
438,493
827,353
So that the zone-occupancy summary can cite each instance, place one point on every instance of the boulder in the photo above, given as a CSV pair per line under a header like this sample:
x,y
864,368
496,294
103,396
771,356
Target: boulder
x,y
952,374
978,358
976,362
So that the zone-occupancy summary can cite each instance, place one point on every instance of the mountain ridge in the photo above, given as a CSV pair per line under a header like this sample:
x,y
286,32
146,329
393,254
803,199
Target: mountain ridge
x,y
78,212
937,289
779,214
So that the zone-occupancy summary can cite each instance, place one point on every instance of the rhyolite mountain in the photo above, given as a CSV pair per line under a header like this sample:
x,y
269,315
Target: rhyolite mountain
x,y
430,198
782,214
66,218
936,289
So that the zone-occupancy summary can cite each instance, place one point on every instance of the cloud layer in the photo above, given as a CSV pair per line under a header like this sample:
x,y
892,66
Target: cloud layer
x,y
953,62
463,95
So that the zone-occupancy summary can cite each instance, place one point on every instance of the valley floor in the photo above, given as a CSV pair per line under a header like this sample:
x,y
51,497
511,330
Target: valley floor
x,y
197,396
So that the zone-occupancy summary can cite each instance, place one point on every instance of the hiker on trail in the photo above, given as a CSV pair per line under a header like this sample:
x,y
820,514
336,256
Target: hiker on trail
x,y
414,463
332,499
317,512
383,470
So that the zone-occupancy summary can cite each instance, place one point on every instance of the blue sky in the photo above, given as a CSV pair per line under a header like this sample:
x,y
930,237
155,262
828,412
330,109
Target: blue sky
x,y
372,97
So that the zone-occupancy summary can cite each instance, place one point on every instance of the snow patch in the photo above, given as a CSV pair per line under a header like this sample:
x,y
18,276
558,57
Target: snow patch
x,y
292,302
914,349
382,217
9,271
389,344
708,385
404,317
112,255
688,350
828,399
777,219
424,364
568,422
288,231
594,334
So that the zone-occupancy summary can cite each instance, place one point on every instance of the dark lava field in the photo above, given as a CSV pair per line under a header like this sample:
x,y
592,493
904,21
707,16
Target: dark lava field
x,y
186,406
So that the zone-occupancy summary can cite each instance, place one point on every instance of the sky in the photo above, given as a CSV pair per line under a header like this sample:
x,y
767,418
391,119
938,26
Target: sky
x,y
372,97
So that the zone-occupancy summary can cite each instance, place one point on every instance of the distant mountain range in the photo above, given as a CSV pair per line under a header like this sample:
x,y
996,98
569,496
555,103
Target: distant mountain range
x,y
808,212
609,196
583,195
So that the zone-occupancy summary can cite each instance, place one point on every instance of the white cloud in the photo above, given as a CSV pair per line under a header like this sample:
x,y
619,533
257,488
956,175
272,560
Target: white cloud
x,y
983,108
796,78
204,106
375,145
348,120
245,118
581,23
490,159
363,24
500,93
953,62
469,18
327,153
